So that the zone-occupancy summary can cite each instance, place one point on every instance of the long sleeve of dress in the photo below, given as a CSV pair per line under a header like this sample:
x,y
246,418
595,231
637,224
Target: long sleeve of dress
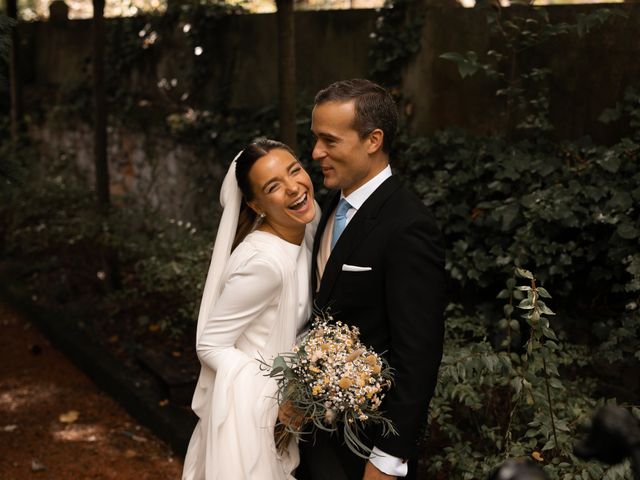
x,y
246,294
253,317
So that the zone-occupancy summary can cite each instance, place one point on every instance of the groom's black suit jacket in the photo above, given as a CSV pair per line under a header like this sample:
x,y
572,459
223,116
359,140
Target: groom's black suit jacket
x,y
398,305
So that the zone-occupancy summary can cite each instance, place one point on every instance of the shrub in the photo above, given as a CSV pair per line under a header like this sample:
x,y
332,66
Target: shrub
x,y
495,403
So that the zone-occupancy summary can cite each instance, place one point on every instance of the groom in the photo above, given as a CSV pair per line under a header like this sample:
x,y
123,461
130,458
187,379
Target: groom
x,y
378,264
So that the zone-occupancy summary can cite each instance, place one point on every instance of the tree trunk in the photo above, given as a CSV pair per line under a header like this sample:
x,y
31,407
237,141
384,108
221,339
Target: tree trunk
x,y
100,105
287,72
109,255
14,74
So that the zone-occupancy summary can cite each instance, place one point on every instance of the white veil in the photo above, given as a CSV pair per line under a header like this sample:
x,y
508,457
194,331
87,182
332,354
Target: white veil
x,y
238,379
230,200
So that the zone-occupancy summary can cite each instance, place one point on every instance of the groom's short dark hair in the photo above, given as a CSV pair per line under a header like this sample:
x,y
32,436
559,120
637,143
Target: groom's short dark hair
x,y
374,107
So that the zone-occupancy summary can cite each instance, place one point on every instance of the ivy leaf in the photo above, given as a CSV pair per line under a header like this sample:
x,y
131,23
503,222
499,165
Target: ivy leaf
x,y
611,161
610,115
628,231
466,66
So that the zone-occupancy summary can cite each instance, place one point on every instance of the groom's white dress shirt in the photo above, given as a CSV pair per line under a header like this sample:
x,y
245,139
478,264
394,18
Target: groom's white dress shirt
x,y
384,462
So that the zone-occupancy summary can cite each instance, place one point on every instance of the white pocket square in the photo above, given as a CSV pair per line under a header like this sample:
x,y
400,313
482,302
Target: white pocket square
x,y
354,268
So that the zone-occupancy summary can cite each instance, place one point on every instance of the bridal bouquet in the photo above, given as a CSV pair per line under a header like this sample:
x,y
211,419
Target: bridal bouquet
x,y
334,382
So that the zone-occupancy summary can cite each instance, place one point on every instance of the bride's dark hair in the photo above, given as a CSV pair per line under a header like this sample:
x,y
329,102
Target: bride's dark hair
x,y
250,155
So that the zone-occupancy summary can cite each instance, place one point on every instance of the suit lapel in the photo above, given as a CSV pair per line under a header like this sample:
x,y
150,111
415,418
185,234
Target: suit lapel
x,y
329,207
355,232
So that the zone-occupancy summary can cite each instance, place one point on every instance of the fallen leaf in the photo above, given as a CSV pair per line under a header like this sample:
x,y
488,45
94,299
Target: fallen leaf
x,y
9,428
537,456
163,403
69,417
37,466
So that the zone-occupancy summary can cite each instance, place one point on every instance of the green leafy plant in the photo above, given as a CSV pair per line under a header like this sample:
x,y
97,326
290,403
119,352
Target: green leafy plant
x,y
396,38
51,228
6,24
524,86
492,196
493,403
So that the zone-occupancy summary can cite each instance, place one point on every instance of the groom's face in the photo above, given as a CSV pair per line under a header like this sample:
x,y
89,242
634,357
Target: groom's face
x,y
342,154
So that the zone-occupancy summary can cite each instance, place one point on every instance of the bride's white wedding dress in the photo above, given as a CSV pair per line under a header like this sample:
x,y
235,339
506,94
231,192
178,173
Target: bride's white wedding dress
x,y
255,301
263,303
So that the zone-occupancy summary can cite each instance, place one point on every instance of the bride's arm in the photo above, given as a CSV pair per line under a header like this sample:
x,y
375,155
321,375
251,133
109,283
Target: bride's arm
x,y
246,294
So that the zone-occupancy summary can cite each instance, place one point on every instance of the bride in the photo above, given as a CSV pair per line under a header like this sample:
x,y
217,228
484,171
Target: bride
x,y
255,300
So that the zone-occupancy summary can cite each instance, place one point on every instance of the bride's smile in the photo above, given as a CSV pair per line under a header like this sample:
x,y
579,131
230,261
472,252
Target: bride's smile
x,y
283,192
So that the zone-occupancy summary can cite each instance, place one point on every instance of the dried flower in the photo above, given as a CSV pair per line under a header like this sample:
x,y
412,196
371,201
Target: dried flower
x,y
334,381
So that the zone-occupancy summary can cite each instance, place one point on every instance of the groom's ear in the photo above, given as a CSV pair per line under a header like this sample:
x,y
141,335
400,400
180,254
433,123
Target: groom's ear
x,y
376,138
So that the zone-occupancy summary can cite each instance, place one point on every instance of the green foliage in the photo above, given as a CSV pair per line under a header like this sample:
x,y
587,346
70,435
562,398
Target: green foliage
x,y
165,263
397,35
621,338
628,108
13,160
135,89
492,403
51,225
518,387
225,132
570,210
6,24
522,84
197,19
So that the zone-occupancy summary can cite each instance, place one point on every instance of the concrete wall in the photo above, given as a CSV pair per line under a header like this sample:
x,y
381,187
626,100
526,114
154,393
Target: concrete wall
x,y
238,70
239,65
156,175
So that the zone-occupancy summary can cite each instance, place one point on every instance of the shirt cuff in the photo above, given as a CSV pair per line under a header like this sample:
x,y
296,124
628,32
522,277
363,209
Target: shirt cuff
x,y
388,464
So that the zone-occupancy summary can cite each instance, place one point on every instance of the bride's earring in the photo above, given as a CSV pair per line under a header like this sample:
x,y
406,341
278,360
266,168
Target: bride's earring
x,y
259,219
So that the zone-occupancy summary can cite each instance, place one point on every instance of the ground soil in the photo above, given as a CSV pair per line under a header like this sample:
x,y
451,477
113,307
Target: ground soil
x,y
56,424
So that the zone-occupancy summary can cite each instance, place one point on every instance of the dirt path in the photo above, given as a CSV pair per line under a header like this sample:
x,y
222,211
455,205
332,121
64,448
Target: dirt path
x,y
56,425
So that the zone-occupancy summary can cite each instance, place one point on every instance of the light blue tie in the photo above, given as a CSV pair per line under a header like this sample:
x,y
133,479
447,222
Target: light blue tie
x,y
340,220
